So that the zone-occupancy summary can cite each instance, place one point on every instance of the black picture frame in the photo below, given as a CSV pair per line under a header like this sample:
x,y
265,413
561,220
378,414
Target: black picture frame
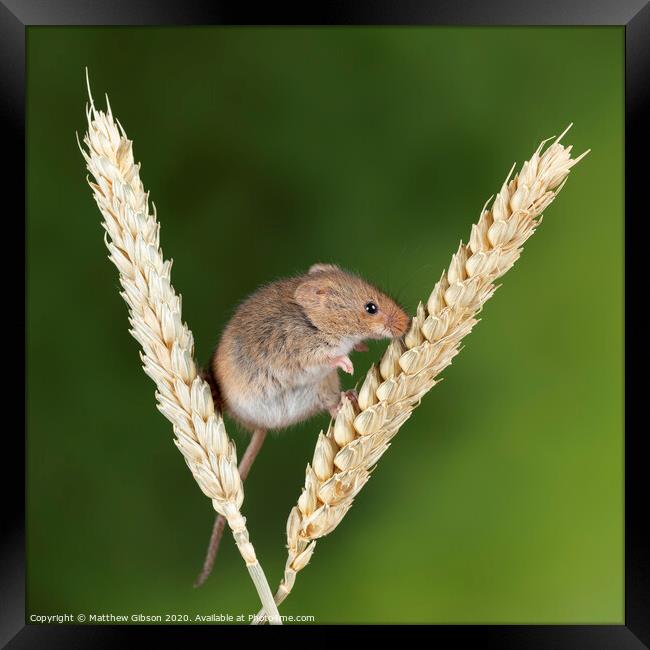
x,y
634,15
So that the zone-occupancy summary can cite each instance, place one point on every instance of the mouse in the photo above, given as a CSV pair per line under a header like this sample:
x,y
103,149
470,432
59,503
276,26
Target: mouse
x,y
276,363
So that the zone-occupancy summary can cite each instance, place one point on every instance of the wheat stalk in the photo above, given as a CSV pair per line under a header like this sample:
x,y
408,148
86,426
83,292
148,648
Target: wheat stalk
x,y
345,456
184,398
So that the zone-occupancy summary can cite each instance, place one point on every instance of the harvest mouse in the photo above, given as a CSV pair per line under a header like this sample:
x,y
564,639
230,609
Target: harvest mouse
x,y
276,362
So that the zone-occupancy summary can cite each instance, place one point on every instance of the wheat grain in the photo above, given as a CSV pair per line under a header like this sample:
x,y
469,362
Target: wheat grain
x,y
184,398
345,455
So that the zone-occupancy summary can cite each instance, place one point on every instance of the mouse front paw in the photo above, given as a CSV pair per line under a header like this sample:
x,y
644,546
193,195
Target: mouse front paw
x,y
361,347
344,363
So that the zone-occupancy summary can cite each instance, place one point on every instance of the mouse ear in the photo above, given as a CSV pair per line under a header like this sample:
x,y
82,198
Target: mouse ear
x,y
318,268
312,293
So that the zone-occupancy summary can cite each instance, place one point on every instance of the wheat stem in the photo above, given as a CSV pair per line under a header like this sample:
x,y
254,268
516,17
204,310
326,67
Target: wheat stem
x,y
346,454
184,398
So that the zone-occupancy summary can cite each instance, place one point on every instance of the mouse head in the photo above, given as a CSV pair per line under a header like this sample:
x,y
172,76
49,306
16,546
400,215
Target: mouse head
x,y
342,304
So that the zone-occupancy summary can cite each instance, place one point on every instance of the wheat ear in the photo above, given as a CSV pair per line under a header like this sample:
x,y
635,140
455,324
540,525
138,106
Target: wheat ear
x,y
184,398
360,434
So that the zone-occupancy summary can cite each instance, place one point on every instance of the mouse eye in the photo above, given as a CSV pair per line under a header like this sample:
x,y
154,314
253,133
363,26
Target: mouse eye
x,y
371,308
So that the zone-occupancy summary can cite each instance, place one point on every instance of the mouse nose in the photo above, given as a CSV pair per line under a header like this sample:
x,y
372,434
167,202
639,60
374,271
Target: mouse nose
x,y
398,322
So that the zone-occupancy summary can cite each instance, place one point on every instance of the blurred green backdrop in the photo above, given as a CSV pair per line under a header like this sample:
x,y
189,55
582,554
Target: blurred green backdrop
x,y
266,150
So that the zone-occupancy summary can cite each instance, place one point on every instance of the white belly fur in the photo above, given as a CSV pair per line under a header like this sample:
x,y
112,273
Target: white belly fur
x,y
278,410
296,401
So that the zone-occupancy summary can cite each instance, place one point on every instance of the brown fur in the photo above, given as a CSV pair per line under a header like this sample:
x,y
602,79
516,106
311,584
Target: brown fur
x,y
273,365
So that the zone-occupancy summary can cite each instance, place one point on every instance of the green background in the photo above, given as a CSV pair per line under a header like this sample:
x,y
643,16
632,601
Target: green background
x,y
265,150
